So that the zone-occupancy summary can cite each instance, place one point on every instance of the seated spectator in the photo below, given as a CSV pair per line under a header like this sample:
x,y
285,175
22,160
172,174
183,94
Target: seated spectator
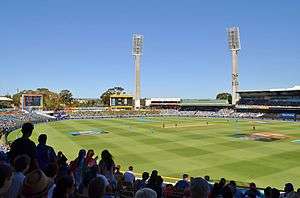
x,y
275,193
184,183
227,192
64,188
207,178
24,145
145,193
21,165
252,192
5,179
139,184
89,160
90,174
51,172
129,176
216,191
268,192
199,188
289,191
169,190
96,187
222,182
36,184
45,154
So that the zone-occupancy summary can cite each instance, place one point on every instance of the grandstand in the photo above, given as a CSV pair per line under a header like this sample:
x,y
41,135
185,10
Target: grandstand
x,y
270,101
163,103
203,104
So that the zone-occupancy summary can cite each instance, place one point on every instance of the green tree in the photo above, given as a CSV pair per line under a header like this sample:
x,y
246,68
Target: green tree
x,y
50,99
66,97
225,96
106,95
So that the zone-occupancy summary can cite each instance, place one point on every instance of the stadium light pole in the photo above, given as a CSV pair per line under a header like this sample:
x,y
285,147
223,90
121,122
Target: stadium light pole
x,y
234,46
137,44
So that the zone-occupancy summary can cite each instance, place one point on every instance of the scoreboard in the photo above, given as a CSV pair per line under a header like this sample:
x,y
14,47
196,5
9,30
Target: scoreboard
x,y
31,101
121,101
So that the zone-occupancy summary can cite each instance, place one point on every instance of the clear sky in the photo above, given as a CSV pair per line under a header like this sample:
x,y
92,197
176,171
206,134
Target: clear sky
x,y
85,46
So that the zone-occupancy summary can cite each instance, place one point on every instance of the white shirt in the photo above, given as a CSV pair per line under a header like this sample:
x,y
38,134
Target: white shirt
x,y
129,176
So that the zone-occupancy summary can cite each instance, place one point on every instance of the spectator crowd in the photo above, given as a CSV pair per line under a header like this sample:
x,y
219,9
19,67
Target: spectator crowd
x,y
13,119
30,170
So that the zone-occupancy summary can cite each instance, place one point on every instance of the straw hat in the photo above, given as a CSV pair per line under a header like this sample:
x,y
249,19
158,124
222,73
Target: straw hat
x,y
36,184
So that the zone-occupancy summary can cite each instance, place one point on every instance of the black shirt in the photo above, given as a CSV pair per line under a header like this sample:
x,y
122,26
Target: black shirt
x,y
22,146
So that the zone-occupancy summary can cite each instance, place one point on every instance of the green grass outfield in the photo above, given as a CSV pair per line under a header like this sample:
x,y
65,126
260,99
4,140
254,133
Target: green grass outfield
x,y
192,147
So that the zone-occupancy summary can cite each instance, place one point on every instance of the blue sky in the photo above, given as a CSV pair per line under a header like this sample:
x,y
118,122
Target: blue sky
x,y
85,46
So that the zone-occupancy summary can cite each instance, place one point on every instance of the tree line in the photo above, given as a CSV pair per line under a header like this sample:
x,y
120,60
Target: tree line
x,y
60,100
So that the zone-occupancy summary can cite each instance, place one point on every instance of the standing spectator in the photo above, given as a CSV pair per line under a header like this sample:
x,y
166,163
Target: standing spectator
x,y
36,184
184,183
5,179
45,154
21,165
64,187
78,167
89,160
63,167
129,176
152,179
107,166
24,145
158,186
199,188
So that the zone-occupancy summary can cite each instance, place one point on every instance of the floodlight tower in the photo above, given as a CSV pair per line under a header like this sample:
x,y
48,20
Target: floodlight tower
x,y
234,46
137,45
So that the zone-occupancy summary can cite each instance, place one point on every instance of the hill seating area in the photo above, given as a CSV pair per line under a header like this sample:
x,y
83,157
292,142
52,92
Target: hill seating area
x,y
13,119
30,170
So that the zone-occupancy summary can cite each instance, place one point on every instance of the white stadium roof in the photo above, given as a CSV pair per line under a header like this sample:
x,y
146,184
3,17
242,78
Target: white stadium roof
x,y
295,88
164,99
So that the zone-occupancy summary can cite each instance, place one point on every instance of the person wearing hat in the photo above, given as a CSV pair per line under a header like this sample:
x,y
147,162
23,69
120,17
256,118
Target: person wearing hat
x,y
36,185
